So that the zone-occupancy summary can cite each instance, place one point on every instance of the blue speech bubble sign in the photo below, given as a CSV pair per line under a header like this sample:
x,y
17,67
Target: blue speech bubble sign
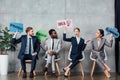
x,y
113,31
16,27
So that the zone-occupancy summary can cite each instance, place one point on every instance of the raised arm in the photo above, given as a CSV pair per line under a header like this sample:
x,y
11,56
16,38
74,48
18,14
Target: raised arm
x,y
109,44
14,40
66,39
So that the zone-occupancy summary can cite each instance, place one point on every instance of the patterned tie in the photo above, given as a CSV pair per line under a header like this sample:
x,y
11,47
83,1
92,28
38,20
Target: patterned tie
x,y
29,45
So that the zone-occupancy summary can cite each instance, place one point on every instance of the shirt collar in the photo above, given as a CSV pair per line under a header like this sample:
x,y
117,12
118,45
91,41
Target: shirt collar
x,y
99,39
77,37
29,36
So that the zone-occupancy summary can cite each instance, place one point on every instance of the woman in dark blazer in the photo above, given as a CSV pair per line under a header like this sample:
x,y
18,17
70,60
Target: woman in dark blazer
x,y
78,45
97,45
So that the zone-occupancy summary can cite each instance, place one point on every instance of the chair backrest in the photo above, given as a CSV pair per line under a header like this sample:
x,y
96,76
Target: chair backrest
x,y
69,53
95,59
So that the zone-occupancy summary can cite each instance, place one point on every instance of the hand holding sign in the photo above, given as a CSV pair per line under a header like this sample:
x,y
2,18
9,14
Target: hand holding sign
x,y
15,34
42,35
112,31
64,23
111,36
16,27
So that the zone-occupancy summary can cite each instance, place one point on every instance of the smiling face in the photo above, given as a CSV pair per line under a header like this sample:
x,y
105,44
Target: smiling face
x,y
99,34
77,32
31,32
54,34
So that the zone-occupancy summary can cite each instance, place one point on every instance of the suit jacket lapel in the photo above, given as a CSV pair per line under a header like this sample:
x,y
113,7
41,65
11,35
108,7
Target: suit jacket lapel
x,y
75,40
33,41
80,42
25,38
96,43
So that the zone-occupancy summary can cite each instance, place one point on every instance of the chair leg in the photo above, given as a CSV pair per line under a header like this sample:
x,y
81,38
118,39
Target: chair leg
x,y
19,72
93,67
20,78
45,74
81,67
46,78
34,73
58,68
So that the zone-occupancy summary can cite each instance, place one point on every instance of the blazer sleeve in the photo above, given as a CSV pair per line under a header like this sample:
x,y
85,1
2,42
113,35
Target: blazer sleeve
x,y
109,44
37,44
84,45
46,47
16,41
66,39
59,47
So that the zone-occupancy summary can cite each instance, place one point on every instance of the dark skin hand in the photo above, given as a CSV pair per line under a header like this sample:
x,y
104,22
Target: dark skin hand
x,y
51,53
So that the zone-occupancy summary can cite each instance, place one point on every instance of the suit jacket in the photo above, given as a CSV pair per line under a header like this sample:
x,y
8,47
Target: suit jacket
x,y
99,49
23,41
57,46
76,51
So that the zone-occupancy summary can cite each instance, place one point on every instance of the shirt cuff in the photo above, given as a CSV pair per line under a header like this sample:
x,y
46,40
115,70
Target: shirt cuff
x,y
14,36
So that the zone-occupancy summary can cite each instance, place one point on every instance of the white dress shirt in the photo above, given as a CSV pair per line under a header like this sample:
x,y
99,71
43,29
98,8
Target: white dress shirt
x,y
78,39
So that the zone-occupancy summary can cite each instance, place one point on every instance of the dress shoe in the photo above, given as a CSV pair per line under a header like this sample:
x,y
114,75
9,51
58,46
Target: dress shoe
x,y
64,70
24,75
65,76
54,75
107,74
31,75
45,69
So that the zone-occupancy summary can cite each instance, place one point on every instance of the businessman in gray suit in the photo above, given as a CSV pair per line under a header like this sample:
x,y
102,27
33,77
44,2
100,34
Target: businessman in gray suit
x,y
97,45
53,47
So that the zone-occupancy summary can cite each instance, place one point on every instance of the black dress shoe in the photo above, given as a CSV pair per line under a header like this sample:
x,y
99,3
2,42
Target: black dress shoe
x,y
45,69
31,75
54,75
65,76
64,70
24,75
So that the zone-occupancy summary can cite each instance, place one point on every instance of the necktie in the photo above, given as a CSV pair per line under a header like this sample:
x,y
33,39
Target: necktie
x,y
29,45
52,44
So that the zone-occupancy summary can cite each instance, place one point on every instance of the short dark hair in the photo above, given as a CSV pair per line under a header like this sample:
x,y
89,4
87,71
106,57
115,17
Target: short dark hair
x,y
77,29
28,29
101,32
51,30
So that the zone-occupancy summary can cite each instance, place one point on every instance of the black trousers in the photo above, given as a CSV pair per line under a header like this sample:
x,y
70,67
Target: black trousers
x,y
28,57
75,60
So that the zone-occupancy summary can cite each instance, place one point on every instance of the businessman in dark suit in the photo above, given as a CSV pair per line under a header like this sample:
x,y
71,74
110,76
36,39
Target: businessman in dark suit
x,y
30,48
78,45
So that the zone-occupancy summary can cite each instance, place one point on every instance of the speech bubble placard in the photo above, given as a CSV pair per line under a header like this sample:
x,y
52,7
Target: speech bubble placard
x,y
42,35
64,23
113,31
16,27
